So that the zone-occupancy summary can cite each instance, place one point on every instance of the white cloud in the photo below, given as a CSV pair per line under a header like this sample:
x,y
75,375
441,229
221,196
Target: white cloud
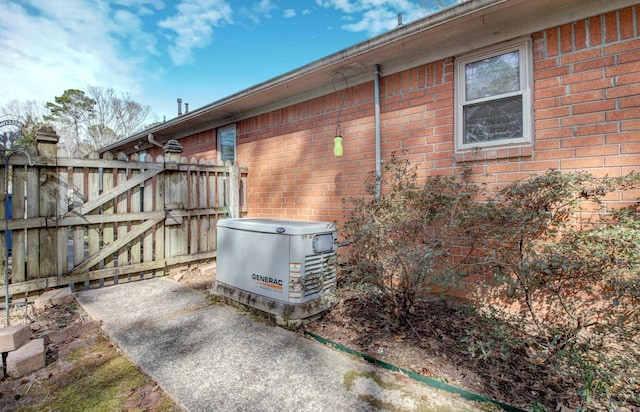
x,y
289,13
53,46
345,6
251,16
131,28
376,16
374,21
306,11
192,26
132,4
264,7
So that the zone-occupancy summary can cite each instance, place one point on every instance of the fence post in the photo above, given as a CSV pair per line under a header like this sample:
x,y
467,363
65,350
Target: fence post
x,y
4,214
47,141
176,239
234,190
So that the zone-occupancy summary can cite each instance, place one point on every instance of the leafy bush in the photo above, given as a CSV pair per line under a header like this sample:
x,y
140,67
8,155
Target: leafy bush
x,y
401,241
562,271
568,273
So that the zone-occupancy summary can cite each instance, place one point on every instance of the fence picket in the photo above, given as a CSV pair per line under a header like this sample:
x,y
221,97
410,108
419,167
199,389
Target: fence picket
x,y
122,207
193,193
33,235
47,206
108,231
159,234
78,232
148,196
212,198
175,225
18,252
135,206
62,233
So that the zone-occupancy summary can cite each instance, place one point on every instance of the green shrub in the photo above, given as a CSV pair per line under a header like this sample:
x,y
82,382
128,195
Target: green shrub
x,y
400,241
572,269
562,271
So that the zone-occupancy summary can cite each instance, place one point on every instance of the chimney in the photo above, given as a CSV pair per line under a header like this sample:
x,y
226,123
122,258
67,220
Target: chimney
x,y
399,19
186,108
179,106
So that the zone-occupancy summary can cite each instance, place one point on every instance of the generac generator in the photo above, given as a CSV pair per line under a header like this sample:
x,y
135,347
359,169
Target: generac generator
x,y
283,267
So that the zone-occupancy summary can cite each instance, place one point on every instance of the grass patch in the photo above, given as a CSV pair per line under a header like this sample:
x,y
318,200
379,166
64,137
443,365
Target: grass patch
x,y
351,376
100,379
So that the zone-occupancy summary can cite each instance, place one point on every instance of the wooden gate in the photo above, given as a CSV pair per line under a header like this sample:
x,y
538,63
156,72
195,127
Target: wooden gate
x,y
99,221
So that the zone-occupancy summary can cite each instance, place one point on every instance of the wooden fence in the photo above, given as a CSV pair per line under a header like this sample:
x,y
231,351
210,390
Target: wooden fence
x,y
96,221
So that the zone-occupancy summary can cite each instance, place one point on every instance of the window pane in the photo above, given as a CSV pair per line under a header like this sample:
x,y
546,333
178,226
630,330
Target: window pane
x,y
227,144
495,120
493,76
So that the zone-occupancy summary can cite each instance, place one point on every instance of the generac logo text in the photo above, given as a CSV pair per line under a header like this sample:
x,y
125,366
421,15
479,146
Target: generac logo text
x,y
273,283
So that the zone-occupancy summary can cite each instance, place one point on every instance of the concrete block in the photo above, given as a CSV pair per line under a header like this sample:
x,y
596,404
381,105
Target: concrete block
x,y
53,297
28,358
208,269
14,336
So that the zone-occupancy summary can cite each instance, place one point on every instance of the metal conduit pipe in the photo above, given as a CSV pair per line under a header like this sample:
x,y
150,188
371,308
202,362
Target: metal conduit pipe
x,y
376,94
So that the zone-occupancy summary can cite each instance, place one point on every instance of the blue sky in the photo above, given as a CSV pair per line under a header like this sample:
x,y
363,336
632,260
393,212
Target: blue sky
x,y
159,50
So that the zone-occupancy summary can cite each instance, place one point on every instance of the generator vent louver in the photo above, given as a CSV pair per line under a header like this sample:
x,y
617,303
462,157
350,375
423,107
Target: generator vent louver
x,y
319,274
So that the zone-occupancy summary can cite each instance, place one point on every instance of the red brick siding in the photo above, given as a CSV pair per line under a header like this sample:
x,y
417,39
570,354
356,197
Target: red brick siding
x,y
293,173
201,145
587,94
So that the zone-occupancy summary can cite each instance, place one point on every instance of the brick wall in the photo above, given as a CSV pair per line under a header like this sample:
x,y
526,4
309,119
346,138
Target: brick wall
x,y
289,152
293,173
587,96
586,117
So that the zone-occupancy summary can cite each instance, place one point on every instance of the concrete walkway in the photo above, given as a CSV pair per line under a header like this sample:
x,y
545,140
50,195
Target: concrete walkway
x,y
213,357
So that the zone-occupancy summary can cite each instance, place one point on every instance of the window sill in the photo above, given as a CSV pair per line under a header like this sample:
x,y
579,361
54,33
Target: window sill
x,y
494,153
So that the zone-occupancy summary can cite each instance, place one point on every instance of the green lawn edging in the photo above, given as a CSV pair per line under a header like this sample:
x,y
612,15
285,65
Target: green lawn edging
x,y
434,383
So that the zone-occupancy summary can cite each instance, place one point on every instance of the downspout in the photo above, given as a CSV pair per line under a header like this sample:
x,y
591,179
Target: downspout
x,y
376,93
153,141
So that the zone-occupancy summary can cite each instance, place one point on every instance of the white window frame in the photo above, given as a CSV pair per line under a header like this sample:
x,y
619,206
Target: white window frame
x,y
524,47
219,132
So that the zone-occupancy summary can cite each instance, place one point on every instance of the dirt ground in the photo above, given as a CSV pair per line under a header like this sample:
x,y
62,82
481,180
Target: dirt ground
x,y
84,371
431,342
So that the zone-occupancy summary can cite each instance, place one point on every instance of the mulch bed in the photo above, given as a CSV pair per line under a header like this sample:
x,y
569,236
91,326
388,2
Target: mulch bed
x,y
433,342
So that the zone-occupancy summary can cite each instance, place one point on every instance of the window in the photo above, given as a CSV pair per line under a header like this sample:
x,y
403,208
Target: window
x,y
494,98
227,143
